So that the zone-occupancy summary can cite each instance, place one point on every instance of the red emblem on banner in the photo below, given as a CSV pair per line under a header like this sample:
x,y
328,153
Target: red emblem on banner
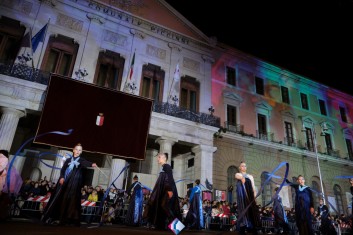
x,y
100,119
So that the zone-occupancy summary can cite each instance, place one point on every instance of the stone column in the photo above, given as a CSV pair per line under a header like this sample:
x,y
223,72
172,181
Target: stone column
x,y
178,174
58,163
8,126
204,162
166,144
150,165
117,166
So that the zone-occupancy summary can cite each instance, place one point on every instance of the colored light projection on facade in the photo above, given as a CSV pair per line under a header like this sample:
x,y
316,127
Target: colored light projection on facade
x,y
284,98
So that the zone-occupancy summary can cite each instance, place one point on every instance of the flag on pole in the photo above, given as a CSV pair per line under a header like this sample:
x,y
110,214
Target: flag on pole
x,y
39,37
132,66
177,73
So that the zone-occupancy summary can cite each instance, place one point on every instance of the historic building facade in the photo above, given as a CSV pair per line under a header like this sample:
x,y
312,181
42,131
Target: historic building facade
x,y
223,106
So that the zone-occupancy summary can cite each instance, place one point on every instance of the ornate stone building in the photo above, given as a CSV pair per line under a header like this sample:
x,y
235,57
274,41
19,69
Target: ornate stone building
x,y
224,106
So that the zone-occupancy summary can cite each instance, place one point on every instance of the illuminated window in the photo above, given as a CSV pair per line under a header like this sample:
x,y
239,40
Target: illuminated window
x,y
152,82
316,197
328,142
60,55
309,139
231,76
109,70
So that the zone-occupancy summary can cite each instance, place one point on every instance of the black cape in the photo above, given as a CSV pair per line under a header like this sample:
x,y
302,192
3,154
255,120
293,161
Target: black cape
x,y
65,204
159,208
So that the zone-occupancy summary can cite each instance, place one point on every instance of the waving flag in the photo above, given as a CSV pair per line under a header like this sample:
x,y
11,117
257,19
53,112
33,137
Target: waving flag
x,y
132,66
39,37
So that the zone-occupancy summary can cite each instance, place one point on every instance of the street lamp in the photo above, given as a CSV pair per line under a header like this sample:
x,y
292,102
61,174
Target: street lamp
x,y
316,154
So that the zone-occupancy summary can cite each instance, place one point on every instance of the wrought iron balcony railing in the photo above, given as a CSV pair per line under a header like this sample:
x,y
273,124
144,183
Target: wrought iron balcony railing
x,y
24,72
179,112
235,128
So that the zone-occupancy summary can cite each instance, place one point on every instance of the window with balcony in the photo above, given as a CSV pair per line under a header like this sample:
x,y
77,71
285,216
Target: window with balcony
x,y
231,79
189,93
231,117
11,33
349,148
285,95
309,139
152,82
109,70
304,101
322,106
259,86
289,133
262,125
328,142
343,114
60,55
338,198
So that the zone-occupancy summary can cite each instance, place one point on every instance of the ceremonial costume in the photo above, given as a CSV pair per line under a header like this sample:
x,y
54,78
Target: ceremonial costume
x,y
195,217
134,212
65,204
249,219
160,207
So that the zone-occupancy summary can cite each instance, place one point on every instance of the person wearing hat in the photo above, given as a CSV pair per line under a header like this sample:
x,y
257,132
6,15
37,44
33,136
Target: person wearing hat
x,y
134,212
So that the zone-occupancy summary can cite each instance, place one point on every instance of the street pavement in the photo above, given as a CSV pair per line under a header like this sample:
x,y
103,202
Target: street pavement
x,y
31,227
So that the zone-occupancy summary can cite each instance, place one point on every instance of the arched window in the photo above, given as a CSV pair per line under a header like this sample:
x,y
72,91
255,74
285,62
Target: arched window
x,y
232,170
267,189
315,186
338,198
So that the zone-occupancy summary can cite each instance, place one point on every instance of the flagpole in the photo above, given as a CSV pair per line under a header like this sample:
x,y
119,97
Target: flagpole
x,y
128,74
170,89
132,43
41,50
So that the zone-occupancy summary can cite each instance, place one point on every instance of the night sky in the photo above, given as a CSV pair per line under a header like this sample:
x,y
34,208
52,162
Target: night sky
x,y
308,37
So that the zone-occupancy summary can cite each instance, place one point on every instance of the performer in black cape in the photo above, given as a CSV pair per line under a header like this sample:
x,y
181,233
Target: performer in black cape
x,y
194,216
245,188
304,206
163,205
327,225
64,205
134,212
281,220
